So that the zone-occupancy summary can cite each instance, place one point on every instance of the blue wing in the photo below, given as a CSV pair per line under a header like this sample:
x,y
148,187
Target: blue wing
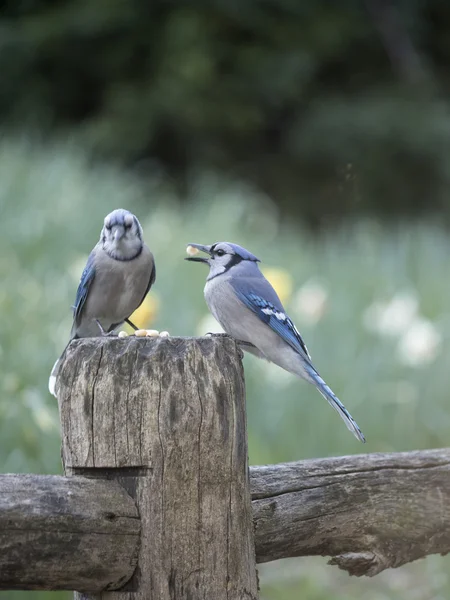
x,y
260,297
83,288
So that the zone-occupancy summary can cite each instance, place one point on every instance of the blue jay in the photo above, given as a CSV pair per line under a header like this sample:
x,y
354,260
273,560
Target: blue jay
x,y
248,309
119,272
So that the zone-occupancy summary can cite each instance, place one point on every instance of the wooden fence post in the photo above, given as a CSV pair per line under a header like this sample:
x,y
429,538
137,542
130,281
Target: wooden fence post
x,y
166,419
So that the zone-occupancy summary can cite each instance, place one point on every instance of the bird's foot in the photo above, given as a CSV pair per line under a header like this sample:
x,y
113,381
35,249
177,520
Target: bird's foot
x,y
246,344
239,342
213,333
105,333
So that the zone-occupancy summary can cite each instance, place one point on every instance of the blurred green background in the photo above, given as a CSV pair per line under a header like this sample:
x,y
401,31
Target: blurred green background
x,y
316,134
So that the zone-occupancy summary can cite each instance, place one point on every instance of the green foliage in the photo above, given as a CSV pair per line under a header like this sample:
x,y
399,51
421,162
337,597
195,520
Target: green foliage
x,y
283,93
52,204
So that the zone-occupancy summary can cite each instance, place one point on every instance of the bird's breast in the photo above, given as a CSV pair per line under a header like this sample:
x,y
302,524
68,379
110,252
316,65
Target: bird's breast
x,y
226,307
118,287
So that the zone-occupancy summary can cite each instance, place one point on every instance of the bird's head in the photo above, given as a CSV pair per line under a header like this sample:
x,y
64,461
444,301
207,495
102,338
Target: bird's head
x,y
222,257
121,235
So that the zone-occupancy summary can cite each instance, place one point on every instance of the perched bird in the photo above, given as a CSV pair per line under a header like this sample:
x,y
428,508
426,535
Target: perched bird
x,y
119,272
248,309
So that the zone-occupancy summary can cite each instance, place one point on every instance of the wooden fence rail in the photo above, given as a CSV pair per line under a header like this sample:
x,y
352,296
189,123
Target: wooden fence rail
x,y
157,503
369,512
66,533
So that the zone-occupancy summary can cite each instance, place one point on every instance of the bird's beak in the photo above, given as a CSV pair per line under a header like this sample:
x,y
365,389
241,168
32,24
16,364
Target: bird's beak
x,y
119,232
202,248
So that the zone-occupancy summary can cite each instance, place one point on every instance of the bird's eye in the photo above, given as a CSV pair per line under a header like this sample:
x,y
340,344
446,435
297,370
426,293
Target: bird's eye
x,y
220,252
127,225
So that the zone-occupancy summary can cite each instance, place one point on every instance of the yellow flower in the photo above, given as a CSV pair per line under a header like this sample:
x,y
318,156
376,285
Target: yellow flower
x,y
146,313
281,281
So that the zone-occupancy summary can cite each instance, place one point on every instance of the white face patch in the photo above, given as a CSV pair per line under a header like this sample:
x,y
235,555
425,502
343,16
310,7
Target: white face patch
x,y
128,245
215,268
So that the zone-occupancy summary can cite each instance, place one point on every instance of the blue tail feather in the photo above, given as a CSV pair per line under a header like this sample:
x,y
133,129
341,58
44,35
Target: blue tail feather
x,y
335,403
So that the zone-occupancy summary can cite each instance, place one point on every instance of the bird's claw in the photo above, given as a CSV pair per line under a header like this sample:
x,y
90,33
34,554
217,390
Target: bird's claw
x,y
239,342
214,334
105,333
247,344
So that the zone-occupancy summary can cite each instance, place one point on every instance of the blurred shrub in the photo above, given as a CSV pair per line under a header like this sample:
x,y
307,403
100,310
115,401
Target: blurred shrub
x,y
285,94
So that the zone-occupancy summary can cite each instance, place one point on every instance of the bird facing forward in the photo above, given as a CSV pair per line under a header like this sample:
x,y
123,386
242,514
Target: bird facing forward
x,y
248,308
119,272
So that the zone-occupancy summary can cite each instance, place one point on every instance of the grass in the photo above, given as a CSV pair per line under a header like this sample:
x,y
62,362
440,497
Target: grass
x,y
395,383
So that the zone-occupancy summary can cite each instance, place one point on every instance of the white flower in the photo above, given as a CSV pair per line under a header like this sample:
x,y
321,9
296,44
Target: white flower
x,y
392,318
420,344
311,301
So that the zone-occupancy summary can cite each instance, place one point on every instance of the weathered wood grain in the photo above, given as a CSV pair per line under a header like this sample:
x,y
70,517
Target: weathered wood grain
x,y
369,512
61,533
163,422
166,418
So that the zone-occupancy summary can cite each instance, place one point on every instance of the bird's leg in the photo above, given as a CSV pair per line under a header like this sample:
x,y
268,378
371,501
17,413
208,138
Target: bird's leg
x,y
247,344
131,324
105,333
239,342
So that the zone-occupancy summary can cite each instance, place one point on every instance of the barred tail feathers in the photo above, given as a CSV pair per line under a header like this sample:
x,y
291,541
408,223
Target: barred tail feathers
x,y
335,403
